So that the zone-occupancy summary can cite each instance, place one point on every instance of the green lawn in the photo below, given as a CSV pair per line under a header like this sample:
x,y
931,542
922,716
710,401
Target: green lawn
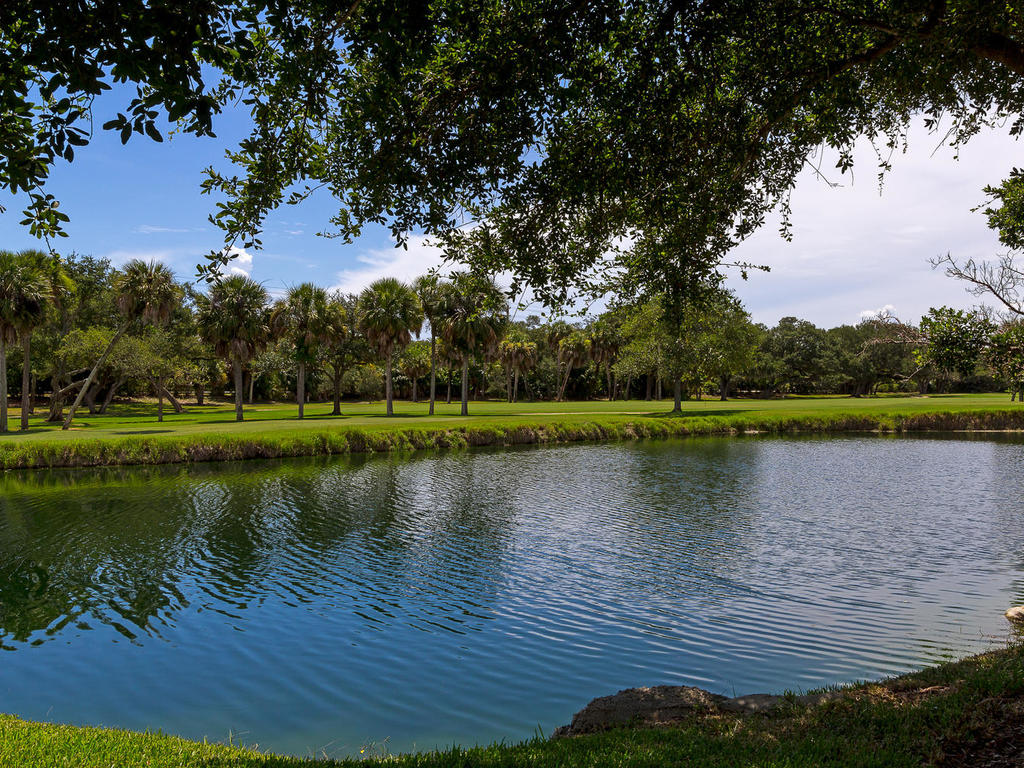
x,y
130,433
962,714
139,418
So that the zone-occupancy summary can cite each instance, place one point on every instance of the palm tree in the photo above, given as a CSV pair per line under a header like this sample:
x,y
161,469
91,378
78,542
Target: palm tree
x,y
59,286
344,344
475,317
573,350
430,290
414,363
234,318
23,294
146,292
518,355
389,313
604,348
302,318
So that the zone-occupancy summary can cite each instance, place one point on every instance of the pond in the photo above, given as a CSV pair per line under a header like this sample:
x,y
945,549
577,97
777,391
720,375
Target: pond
x,y
399,603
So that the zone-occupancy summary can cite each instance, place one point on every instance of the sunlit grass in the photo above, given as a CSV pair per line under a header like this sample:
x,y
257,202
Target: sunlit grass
x,y
130,433
965,713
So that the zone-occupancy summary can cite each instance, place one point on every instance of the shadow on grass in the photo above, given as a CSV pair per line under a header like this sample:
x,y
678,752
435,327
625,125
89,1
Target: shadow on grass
x,y
688,414
144,432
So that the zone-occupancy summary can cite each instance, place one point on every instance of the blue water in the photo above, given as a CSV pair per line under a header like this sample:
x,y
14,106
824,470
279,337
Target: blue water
x,y
320,607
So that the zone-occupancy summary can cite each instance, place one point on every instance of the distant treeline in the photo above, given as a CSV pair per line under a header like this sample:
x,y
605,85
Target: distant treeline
x,y
92,333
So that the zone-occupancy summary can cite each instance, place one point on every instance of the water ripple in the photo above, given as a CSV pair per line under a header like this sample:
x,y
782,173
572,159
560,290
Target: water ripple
x,y
471,597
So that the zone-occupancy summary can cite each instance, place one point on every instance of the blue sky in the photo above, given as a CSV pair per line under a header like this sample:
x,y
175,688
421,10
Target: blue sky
x,y
855,249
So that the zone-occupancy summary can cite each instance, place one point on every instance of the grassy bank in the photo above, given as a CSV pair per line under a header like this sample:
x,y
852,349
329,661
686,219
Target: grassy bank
x,y
130,434
966,713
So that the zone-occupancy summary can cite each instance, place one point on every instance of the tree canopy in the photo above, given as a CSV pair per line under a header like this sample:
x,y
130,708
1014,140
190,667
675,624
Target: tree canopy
x,y
638,140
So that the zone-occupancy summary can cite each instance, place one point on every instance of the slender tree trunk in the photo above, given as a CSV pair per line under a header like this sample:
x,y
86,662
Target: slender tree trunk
x,y
3,387
252,385
611,390
414,398
650,385
199,394
110,395
723,387
173,400
26,380
465,385
658,395
515,385
430,411
338,375
300,389
387,384
450,374
92,375
677,406
159,399
565,382
239,389
629,386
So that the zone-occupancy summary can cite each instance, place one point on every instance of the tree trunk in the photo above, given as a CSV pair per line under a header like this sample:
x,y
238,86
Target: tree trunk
x,y
449,400
430,411
252,385
32,395
90,397
515,385
565,382
677,406
199,394
173,400
300,389
92,375
26,380
387,384
110,395
658,390
159,399
338,376
414,398
629,386
57,401
239,389
611,390
465,385
650,383
723,387
3,387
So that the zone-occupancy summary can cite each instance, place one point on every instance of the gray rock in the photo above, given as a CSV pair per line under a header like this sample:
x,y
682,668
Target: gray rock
x,y
1016,614
648,707
667,704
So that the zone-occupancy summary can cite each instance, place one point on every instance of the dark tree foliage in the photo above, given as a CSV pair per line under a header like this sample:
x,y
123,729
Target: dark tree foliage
x,y
664,129
603,141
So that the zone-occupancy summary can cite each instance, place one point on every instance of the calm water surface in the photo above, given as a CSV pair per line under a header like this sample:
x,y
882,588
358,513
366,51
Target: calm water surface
x,y
321,606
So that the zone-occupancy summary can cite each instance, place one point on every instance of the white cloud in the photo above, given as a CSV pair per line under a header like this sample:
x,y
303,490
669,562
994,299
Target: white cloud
x,y
241,261
403,263
855,247
867,314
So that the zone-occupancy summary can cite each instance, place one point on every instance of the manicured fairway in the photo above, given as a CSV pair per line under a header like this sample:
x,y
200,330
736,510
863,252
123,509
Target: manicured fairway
x,y
130,433
139,419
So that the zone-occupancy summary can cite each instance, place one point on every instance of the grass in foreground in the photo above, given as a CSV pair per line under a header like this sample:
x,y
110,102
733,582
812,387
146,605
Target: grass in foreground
x,y
964,713
130,434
